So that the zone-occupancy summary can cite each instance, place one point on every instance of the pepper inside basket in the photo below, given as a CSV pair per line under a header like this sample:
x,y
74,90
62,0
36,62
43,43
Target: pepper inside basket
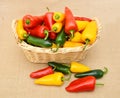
x,y
43,55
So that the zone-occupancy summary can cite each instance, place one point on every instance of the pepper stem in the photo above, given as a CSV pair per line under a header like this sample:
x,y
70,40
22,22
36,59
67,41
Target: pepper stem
x,y
105,70
25,35
56,49
72,34
67,79
54,67
54,28
47,9
99,84
27,21
46,33
57,16
86,43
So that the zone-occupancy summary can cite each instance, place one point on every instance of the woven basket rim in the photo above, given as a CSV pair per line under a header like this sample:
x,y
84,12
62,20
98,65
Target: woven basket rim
x,y
28,47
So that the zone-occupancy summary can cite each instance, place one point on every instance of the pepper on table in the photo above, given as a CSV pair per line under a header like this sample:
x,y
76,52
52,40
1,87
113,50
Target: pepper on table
x,y
70,24
82,84
30,21
78,67
55,79
22,34
97,73
42,72
60,67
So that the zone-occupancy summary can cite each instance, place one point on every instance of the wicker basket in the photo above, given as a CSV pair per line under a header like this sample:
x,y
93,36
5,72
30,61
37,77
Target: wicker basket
x,y
43,55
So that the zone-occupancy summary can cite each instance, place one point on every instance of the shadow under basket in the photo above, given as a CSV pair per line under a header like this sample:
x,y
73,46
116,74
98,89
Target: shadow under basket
x,y
43,55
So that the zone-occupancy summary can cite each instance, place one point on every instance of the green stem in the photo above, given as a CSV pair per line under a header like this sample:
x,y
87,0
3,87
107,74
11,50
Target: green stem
x,y
54,68
99,84
86,43
46,33
67,79
25,35
72,34
27,21
57,16
105,70
54,28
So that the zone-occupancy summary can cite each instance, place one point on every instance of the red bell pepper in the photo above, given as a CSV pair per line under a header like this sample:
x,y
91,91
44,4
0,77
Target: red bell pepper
x,y
82,84
39,31
30,21
42,72
48,20
70,24
83,18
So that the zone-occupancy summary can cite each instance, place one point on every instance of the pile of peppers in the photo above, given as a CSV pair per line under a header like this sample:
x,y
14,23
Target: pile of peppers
x,y
63,30
56,73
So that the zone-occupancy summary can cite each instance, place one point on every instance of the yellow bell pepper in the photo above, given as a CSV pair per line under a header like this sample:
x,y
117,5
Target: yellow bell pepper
x,y
81,24
57,27
22,34
70,44
55,79
78,67
77,37
58,16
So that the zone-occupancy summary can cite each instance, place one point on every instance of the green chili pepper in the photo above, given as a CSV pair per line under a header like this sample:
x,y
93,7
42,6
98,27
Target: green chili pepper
x,y
60,40
59,67
97,73
38,42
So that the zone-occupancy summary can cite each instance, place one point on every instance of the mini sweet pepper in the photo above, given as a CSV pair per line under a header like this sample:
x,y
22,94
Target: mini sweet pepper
x,y
78,67
22,34
55,79
82,84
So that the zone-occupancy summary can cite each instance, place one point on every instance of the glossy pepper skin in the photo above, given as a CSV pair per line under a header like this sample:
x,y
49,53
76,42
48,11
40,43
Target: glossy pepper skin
x,y
82,18
48,21
57,27
40,31
60,40
82,84
77,37
97,73
42,72
60,67
39,42
70,44
90,33
55,79
81,25
70,24
78,67
30,21
22,34
58,17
